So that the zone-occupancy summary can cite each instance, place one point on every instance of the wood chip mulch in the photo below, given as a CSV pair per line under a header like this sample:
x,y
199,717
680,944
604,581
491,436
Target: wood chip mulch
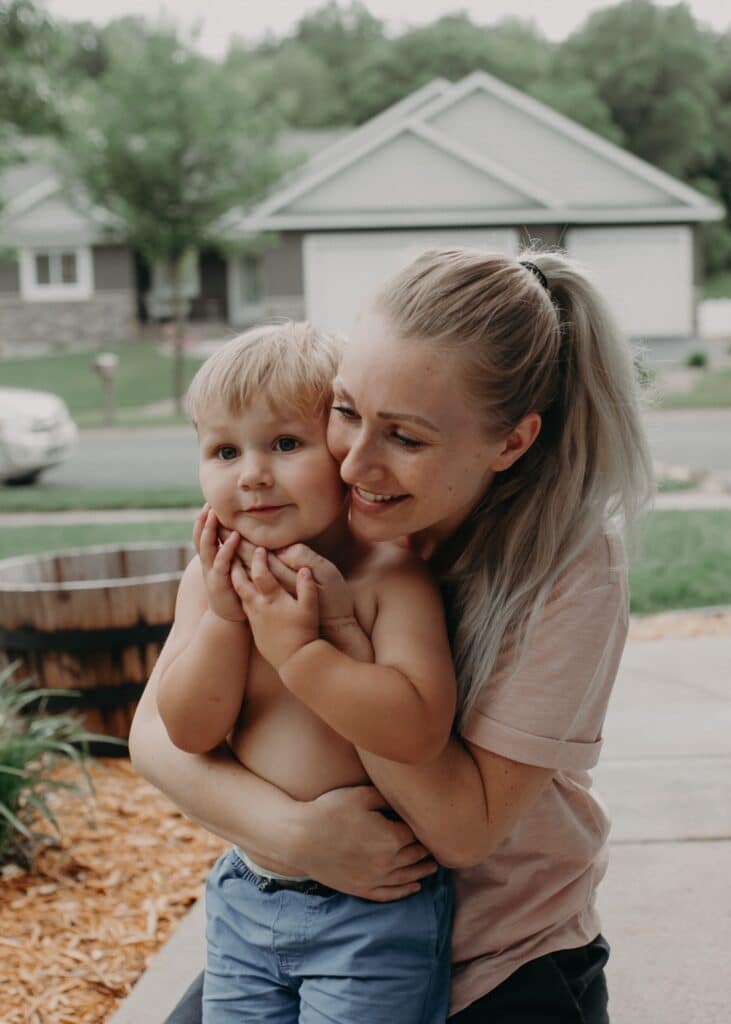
x,y
77,931
679,625
79,928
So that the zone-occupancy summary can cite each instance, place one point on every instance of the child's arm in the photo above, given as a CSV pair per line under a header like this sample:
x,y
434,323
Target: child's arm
x,y
202,668
338,622
401,707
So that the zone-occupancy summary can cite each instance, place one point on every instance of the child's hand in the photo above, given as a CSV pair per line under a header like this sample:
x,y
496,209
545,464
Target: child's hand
x,y
335,600
280,623
216,560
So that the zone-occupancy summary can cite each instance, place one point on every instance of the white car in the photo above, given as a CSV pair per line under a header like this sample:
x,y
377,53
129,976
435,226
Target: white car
x,y
36,431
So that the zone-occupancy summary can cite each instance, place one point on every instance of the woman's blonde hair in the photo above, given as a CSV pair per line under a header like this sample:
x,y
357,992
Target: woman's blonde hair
x,y
524,348
291,364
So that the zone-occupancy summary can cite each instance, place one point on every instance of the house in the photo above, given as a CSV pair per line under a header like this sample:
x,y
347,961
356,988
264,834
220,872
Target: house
x,y
472,163
65,278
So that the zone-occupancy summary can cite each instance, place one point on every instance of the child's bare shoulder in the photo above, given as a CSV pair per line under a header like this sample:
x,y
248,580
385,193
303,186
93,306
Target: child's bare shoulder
x,y
385,565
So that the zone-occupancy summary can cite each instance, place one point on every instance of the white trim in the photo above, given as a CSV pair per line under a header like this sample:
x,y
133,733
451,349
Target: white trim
x,y
31,197
81,291
476,218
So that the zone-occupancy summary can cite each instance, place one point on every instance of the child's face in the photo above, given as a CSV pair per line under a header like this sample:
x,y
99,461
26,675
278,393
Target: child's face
x,y
268,474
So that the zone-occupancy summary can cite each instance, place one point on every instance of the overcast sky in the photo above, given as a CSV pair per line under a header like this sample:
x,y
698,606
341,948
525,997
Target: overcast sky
x,y
252,19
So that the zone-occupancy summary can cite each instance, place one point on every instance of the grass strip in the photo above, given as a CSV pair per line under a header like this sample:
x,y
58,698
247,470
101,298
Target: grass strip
x,y
712,390
683,559
64,499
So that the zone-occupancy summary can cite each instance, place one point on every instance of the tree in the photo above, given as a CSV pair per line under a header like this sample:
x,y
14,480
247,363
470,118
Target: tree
x,y
168,143
653,68
451,48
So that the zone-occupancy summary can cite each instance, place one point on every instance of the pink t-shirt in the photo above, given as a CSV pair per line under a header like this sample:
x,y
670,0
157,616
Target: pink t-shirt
x,y
535,893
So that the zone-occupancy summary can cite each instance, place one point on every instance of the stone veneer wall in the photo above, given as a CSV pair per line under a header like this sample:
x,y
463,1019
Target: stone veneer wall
x,y
106,318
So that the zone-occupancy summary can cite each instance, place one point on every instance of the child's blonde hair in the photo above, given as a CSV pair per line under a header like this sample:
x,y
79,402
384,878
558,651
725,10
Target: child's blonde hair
x,y
537,339
291,364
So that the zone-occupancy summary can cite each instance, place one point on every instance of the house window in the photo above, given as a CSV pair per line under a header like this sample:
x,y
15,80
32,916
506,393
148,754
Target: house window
x,y
56,268
56,274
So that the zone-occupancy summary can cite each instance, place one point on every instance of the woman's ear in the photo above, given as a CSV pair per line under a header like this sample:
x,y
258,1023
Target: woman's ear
x,y
517,442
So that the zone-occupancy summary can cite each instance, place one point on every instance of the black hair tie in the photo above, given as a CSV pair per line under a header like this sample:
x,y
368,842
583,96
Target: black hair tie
x,y
535,269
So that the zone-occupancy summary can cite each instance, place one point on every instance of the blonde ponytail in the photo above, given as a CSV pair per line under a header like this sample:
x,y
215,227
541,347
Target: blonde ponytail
x,y
527,348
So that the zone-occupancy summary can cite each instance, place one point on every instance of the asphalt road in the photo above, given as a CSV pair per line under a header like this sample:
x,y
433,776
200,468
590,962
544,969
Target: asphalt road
x,y
166,456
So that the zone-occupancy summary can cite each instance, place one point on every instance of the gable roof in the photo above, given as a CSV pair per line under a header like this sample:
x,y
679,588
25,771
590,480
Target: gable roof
x,y
41,210
537,167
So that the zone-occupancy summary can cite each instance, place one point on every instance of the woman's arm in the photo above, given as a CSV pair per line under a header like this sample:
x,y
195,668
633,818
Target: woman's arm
x,y
462,804
341,839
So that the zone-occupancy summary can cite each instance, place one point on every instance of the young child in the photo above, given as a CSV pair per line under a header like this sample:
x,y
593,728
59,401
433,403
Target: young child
x,y
295,686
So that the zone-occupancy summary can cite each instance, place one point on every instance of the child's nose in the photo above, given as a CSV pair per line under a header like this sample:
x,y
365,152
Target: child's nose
x,y
254,471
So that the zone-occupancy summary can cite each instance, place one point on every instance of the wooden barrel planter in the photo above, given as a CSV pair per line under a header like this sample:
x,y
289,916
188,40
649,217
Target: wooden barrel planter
x,y
93,620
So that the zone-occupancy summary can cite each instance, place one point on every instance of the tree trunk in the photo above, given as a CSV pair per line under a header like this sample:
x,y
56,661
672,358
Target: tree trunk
x,y
176,267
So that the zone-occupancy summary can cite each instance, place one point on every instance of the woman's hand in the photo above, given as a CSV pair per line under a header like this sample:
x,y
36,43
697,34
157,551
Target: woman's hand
x,y
216,562
280,623
345,842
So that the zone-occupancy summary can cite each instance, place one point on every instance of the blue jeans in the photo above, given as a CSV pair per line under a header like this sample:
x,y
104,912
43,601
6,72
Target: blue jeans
x,y
285,957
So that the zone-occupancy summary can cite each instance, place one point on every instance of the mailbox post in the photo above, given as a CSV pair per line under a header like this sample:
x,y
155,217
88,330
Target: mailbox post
x,y
105,365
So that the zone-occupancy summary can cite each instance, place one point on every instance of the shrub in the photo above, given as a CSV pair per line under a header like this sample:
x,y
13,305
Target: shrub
x,y
32,743
697,360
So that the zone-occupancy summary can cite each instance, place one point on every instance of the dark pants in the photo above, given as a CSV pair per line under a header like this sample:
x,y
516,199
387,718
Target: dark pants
x,y
567,987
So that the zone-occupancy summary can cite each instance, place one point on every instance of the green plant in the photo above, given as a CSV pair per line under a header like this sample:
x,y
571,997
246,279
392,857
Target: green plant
x,y
32,743
697,360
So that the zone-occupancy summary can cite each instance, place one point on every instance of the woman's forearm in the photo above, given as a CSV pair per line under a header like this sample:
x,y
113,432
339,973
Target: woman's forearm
x,y
218,792
443,801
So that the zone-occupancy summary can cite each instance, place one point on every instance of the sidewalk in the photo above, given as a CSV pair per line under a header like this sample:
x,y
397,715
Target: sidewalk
x,y
666,774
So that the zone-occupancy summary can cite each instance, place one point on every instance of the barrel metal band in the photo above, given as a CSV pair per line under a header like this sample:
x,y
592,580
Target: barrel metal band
x,y
83,641
116,695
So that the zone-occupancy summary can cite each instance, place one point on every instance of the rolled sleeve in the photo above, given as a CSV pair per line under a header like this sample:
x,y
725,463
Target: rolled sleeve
x,y
541,751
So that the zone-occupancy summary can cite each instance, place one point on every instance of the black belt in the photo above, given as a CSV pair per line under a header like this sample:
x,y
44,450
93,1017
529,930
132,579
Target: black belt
x,y
306,885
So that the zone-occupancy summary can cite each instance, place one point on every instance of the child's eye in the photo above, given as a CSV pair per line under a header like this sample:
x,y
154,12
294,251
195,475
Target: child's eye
x,y
407,442
346,412
286,444
226,452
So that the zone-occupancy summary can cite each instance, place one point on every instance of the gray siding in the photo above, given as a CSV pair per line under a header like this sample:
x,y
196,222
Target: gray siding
x,y
113,268
9,277
281,267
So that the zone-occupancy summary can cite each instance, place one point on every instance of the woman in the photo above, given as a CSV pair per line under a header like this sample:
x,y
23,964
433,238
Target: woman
x,y
486,410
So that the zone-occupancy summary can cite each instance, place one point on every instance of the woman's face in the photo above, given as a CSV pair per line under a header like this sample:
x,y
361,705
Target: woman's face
x,y
415,455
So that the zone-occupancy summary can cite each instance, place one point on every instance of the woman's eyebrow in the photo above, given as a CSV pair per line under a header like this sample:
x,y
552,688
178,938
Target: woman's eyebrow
x,y
408,417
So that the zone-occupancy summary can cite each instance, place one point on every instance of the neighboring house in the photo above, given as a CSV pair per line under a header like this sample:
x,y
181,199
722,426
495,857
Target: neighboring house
x,y
474,163
65,279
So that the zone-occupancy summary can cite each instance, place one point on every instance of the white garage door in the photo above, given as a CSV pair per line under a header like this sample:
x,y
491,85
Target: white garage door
x,y
342,270
646,273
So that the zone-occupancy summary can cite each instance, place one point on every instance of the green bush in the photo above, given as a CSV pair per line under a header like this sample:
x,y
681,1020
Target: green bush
x,y
32,743
697,360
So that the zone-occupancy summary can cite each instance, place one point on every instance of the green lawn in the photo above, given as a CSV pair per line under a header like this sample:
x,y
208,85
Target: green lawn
x,y
46,498
718,286
683,559
144,376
